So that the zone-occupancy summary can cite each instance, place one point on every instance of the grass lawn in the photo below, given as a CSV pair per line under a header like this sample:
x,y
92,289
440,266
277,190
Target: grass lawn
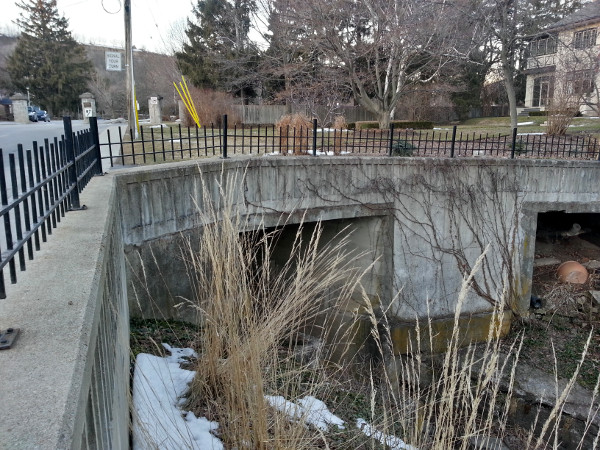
x,y
501,125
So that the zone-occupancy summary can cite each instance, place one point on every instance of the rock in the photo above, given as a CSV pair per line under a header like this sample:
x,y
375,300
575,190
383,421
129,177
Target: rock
x,y
543,262
592,264
595,296
487,443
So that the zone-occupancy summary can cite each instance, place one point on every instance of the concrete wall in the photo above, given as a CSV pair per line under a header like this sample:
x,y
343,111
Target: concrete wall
x,y
443,214
65,382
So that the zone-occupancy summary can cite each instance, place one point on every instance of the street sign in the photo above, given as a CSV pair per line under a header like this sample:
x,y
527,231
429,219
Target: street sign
x,y
113,61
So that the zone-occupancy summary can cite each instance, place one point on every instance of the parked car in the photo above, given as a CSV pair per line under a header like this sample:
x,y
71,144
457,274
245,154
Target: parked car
x,y
42,115
33,117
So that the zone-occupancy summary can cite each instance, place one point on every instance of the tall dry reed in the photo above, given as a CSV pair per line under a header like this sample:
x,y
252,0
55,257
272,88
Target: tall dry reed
x,y
250,311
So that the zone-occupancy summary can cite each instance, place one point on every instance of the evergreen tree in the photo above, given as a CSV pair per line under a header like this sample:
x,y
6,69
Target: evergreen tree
x,y
219,53
47,59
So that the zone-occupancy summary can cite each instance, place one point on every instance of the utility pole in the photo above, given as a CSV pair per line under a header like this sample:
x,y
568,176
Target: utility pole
x,y
130,84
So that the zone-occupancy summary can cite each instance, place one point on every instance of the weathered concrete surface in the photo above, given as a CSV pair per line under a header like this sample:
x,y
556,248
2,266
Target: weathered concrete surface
x,y
443,214
66,378
425,221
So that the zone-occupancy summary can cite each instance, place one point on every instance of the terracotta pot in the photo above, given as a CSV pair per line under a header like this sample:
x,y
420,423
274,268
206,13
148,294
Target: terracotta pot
x,y
572,272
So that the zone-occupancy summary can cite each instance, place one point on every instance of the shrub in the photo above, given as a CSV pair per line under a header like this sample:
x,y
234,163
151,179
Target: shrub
x,y
211,106
339,124
366,125
402,148
294,133
417,124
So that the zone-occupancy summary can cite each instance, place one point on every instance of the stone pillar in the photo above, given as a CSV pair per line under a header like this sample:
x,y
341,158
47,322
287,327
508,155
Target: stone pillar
x,y
155,109
88,106
19,108
181,108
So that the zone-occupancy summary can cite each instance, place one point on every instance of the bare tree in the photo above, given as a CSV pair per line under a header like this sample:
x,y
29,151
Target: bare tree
x,y
506,24
378,47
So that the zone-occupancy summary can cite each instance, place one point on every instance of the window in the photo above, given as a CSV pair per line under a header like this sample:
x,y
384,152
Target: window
x,y
542,46
543,90
585,38
581,81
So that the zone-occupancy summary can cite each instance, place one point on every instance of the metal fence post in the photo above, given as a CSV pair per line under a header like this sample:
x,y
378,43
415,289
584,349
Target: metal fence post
x,y
514,143
96,139
70,152
224,136
453,141
391,149
314,137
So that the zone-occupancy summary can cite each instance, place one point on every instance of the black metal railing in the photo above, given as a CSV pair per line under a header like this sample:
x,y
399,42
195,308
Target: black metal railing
x,y
162,144
38,186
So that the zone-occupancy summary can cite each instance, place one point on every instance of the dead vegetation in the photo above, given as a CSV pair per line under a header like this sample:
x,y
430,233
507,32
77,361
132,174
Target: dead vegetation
x,y
294,134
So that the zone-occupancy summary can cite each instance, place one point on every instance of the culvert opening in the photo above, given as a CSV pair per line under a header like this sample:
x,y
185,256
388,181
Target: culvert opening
x,y
368,247
566,270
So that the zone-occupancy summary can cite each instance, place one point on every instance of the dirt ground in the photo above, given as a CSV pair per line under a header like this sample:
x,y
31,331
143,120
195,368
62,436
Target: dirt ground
x,y
563,314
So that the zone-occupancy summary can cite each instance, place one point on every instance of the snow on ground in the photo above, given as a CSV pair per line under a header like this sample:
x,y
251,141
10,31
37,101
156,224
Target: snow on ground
x,y
319,153
525,123
393,442
309,409
159,388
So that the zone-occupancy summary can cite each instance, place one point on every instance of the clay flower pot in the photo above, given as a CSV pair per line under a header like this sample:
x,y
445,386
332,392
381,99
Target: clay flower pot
x,y
572,272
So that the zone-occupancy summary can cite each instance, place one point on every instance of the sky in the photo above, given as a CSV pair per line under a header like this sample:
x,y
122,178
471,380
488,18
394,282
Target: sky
x,y
102,22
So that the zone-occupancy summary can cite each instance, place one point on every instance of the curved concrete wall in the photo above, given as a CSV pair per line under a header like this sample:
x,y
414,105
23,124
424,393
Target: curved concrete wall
x,y
442,213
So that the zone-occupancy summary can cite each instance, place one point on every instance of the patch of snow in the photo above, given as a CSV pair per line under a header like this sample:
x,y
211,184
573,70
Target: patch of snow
x,y
162,125
319,153
393,442
526,123
158,387
443,129
179,355
530,134
309,409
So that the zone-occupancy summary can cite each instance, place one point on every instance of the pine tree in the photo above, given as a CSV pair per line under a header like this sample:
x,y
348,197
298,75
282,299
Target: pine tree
x,y
47,59
219,53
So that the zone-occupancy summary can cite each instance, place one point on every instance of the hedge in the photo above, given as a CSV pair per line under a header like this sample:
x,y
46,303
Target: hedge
x,y
398,124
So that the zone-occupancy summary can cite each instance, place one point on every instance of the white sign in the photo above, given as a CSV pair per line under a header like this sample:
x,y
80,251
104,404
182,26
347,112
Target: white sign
x,y
113,61
87,112
154,100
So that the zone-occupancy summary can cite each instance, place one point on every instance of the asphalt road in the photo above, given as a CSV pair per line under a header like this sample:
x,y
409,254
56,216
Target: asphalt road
x,y
12,134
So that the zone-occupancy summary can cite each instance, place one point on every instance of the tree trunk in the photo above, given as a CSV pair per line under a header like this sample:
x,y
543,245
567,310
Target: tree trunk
x,y
509,84
384,120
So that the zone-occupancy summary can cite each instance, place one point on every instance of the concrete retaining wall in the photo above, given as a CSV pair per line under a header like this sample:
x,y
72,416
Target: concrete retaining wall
x,y
444,214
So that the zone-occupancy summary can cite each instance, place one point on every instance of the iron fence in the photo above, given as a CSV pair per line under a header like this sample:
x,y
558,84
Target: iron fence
x,y
160,144
44,182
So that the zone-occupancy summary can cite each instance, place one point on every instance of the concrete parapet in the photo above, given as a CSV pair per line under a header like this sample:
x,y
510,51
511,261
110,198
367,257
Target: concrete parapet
x,y
65,382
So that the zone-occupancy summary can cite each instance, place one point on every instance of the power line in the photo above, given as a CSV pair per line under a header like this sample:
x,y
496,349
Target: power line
x,y
115,12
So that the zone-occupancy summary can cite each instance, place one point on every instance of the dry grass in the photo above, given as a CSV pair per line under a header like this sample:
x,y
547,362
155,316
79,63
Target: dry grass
x,y
339,124
249,311
294,133
253,317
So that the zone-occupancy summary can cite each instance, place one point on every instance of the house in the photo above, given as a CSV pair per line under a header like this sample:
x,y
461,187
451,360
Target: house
x,y
563,62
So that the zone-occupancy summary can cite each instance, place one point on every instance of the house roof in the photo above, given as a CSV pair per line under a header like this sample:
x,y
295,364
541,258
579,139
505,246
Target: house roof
x,y
588,13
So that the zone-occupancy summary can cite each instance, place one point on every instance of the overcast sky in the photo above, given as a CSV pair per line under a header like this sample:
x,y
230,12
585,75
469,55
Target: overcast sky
x,y
102,22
